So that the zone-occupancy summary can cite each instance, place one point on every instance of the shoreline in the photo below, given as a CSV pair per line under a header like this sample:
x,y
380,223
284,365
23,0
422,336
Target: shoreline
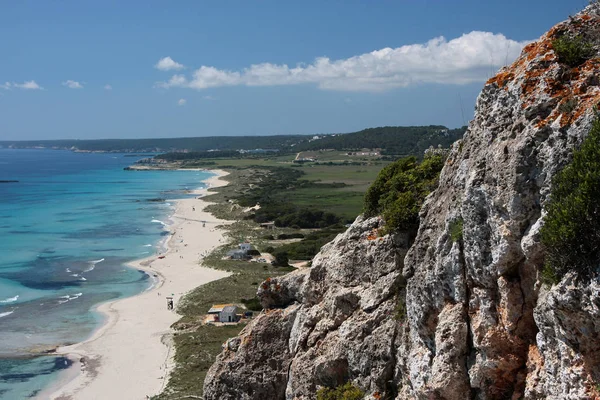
x,y
130,355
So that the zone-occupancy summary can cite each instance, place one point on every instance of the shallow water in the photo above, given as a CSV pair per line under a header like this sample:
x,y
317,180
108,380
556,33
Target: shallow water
x,y
66,230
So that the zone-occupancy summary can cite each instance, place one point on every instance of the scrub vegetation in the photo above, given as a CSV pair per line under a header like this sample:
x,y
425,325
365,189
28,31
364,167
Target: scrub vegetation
x,y
571,230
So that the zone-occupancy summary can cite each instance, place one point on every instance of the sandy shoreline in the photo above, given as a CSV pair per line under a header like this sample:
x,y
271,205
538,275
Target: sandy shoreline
x,y
130,356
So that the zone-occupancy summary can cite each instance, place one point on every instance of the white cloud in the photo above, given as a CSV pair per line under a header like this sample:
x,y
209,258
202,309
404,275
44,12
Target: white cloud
x,y
28,85
208,98
107,87
473,57
168,64
72,84
181,102
5,86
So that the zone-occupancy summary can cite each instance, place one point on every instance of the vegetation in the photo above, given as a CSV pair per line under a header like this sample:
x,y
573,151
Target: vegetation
x,y
412,140
347,391
273,193
197,345
281,259
400,311
456,230
307,248
400,189
572,51
398,140
196,352
252,304
571,230
286,236
195,155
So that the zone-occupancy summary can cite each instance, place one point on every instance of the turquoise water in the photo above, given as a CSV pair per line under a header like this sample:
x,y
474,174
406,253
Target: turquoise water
x,y
66,230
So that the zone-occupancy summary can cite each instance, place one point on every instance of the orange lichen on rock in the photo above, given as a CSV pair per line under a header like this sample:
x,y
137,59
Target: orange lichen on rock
x,y
373,234
579,87
502,78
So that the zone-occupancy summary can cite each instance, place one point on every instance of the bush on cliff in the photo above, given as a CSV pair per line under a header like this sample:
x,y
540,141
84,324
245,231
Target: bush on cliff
x,y
400,189
347,391
571,231
572,51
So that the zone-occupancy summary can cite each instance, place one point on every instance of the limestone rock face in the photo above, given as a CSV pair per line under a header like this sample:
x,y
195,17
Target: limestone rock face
x,y
474,320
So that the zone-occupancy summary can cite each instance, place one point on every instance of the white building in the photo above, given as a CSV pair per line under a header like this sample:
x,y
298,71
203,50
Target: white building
x,y
228,314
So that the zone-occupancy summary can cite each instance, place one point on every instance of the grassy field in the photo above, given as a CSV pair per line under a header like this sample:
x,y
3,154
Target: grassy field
x,y
345,201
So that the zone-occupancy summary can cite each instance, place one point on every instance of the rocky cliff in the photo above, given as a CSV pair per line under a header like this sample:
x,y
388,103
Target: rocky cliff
x,y
448,316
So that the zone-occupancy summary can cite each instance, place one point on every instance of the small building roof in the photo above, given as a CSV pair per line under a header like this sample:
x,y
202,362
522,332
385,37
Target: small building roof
x,y
230,309
217,308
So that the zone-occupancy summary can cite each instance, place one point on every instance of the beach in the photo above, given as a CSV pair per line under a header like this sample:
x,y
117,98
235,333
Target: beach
x,y
130,355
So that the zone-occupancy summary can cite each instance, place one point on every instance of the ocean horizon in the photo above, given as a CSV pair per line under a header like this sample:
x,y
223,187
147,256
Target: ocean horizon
x,y
68,227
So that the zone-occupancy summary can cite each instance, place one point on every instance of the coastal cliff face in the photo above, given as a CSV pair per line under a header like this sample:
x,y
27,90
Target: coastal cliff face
x,y
452,316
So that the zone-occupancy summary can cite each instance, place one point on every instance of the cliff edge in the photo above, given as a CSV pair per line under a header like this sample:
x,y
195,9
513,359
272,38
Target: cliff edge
x,y
448,316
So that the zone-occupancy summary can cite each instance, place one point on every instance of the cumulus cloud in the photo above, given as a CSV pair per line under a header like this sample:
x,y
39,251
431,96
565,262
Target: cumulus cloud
x,y
72,84
168,64
473,57
27,85
107,87
181,102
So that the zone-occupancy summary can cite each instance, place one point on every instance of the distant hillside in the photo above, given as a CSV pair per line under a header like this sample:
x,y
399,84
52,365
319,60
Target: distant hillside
x,y
398,140
163,145
395,140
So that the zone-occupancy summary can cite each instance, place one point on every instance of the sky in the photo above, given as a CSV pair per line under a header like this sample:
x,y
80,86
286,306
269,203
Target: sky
x,y
148,69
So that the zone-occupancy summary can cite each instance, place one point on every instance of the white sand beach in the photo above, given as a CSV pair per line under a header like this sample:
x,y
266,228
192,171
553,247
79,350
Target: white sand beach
x,y
130,356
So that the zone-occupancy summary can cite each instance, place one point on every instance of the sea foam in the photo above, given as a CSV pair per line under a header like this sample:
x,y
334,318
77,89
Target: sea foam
x,y
10,299
93,265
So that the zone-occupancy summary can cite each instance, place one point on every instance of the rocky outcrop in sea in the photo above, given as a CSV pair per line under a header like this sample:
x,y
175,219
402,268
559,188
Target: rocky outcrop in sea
x,y
447,317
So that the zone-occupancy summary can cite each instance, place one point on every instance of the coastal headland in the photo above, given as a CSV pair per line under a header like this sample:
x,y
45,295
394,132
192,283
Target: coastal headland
x,y
130,356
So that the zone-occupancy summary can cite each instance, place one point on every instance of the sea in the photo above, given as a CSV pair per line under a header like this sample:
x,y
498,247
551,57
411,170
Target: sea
x,y
68,228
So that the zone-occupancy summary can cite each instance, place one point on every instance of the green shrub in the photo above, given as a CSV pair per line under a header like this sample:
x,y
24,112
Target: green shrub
x,y
281,259
571,230
456,230
347,391
400,189
252,304
400,311
572,51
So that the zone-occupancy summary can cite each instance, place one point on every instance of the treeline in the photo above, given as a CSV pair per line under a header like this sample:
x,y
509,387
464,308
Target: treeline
x,y
288,215
396,140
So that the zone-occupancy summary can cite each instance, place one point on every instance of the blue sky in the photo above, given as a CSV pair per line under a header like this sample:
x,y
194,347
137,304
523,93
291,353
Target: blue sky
x,y
133,69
